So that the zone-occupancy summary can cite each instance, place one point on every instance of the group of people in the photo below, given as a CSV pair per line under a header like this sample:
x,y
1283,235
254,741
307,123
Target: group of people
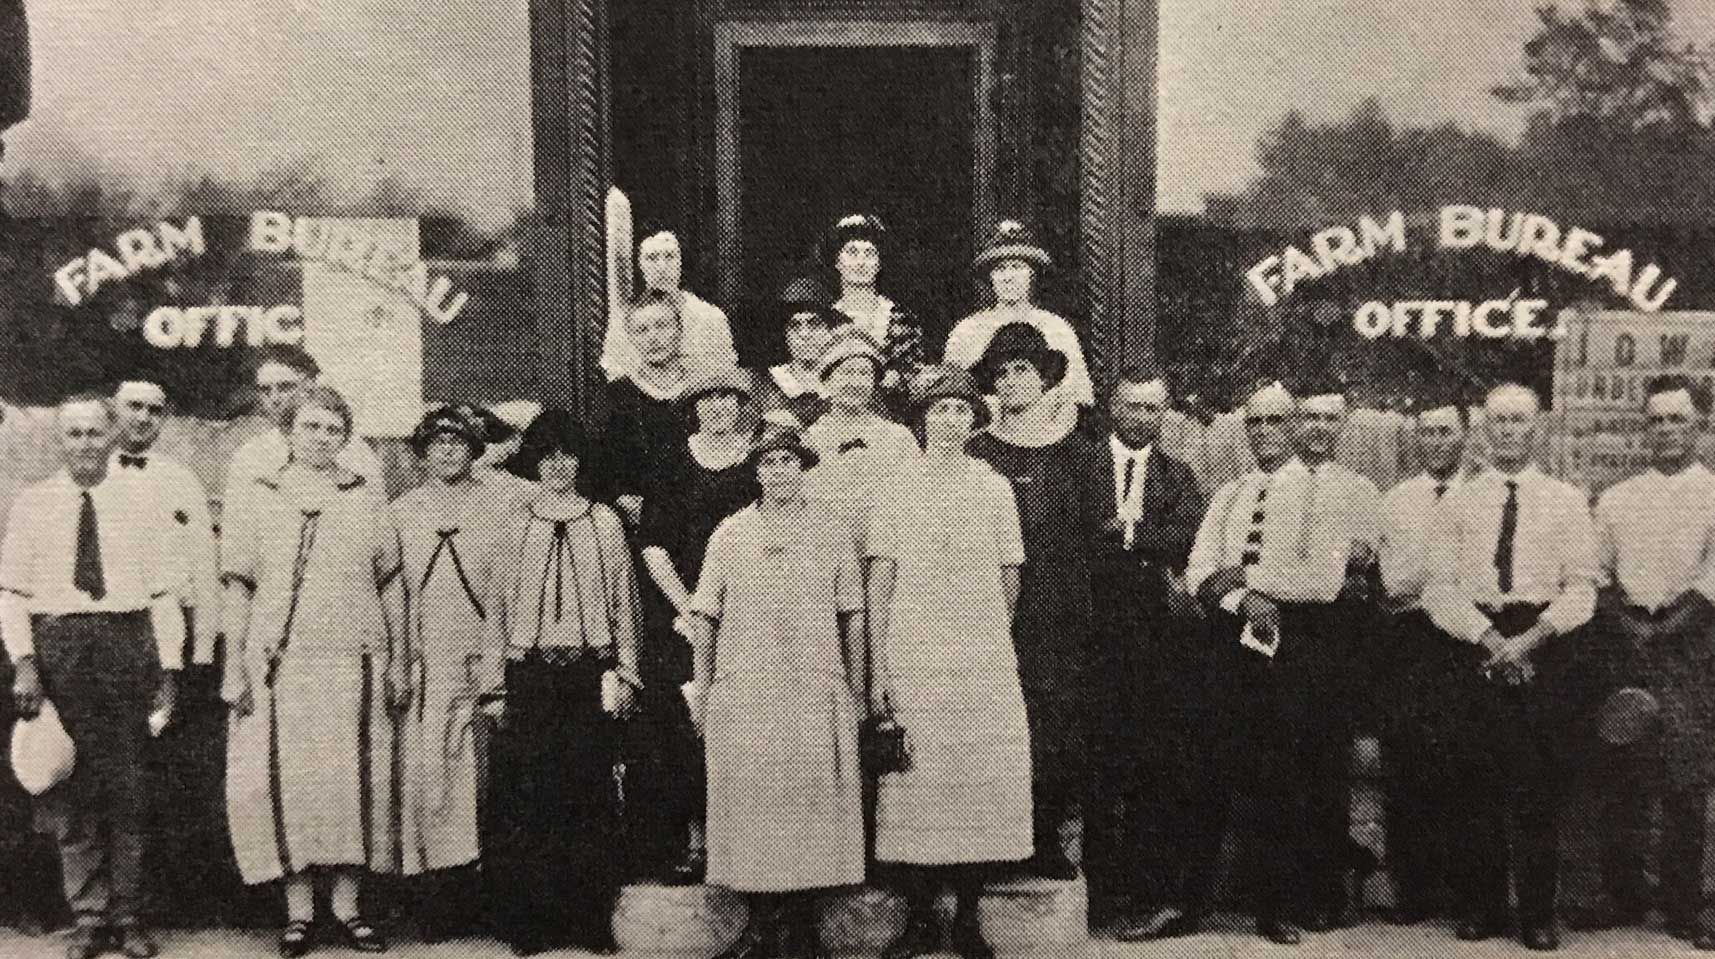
x,y
861,617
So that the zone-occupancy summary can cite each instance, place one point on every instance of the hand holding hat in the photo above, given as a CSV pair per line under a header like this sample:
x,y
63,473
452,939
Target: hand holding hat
x,y
43,755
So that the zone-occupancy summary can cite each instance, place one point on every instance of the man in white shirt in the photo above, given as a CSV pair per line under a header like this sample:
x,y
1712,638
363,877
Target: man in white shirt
x,y
1345,633
1517,576
1655,542
90,618
1422,672
1270,553
140,409
282,373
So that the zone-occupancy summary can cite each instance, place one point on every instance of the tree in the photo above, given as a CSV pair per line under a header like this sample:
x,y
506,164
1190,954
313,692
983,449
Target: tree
x,y
1316,174
1617,63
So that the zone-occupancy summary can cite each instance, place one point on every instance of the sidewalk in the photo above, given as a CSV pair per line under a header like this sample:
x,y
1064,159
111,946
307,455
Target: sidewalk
x,y
1229,941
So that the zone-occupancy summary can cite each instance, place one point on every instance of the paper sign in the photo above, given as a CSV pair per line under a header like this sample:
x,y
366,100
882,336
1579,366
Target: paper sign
x,y
1600,371
368,338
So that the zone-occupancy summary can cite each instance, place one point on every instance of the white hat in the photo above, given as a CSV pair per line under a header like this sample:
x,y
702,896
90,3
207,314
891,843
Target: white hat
x,y
42,754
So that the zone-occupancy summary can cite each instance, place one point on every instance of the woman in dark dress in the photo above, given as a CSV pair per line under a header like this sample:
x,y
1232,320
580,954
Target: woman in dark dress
x,y
565,604
645,425
852,251
1049,464
704,483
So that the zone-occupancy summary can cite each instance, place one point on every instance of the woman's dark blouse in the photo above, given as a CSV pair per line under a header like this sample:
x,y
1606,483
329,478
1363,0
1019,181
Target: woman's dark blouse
x,y
643,436
688,502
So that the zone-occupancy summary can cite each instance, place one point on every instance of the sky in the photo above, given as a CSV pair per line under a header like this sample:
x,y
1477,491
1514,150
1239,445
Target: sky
x,y
372,87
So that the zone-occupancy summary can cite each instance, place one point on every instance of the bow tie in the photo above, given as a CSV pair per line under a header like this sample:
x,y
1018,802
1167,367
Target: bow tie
x,y
135,462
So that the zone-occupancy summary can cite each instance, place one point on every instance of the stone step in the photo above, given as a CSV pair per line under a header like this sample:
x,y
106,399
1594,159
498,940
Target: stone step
x,y
1025,917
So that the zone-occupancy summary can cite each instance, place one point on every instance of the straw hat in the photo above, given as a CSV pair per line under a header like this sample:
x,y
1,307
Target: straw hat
x,y
1011,240
780,430
42,753
942,381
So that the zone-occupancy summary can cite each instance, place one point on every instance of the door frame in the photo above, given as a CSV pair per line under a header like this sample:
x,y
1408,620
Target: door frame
x,y
735,36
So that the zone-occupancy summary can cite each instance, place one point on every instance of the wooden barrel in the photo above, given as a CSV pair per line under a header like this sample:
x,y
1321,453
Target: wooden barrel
x,y
681,922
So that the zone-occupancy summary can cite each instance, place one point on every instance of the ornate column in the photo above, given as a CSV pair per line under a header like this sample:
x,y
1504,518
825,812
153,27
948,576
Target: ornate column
x,y
1117,188
569,106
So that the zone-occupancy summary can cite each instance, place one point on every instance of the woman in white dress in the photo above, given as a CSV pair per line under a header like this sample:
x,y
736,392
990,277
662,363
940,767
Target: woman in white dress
x,y
858,447
315,608
944,553
450,530
779,612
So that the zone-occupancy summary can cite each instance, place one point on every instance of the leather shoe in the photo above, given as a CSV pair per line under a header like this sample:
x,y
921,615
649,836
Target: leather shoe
x,y
967,940
1476,930
85,942
1317,922
135,942
1604,917
1278,932
1168,922
922,937
753,943
1409,915
1540,938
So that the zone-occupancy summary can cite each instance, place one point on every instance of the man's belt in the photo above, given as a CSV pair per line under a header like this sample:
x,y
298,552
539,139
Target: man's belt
x,y
81,617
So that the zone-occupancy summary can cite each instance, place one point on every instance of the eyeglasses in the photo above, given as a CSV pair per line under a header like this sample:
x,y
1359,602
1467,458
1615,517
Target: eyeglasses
x,y
1266,419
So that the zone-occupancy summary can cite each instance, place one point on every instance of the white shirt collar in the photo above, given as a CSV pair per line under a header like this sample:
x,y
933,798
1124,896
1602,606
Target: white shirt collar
x,y
1123,452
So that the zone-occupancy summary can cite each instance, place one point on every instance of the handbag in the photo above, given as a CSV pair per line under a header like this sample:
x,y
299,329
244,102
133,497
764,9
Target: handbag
x,y
883,743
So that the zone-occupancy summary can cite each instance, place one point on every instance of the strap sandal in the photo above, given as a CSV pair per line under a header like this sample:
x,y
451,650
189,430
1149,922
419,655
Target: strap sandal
x,y
361,935
295,939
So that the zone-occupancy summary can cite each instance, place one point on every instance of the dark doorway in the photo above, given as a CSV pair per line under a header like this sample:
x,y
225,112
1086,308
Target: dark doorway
x,y
826,131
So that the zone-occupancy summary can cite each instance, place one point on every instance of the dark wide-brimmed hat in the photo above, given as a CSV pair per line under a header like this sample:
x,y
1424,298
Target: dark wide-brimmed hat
x,y
459,422
805,295
720,381
780,430
1011,240
854,226
1019,341
554,431
942,381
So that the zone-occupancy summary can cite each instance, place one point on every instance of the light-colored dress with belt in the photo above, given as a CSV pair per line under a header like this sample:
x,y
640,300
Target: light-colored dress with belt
x,y
450,537
310,770
785,792
951,669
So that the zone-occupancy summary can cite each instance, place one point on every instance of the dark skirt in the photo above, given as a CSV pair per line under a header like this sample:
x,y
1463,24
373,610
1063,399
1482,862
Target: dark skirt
x,y
551,855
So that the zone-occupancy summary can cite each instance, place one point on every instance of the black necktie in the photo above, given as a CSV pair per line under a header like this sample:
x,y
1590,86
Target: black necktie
x,y
86,569
561,528
1509,532
1440,490
1253,542
1125,484
134,462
